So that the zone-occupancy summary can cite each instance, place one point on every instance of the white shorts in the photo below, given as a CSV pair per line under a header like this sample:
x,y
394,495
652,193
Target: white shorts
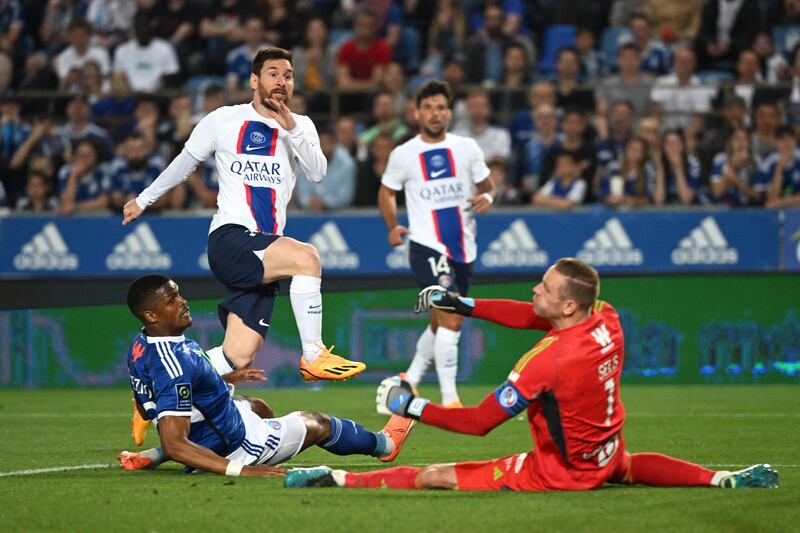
x,y
268,440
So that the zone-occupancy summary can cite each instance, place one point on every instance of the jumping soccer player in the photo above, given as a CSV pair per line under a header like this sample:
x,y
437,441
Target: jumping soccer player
x,y
200,424
446,183
569,385
258,147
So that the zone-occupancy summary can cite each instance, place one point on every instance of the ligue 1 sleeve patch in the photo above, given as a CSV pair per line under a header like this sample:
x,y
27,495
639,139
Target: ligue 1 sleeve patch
x,y
510,399
183,391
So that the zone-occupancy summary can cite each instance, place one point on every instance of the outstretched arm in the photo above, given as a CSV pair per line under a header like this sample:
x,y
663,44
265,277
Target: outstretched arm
x,y
174,432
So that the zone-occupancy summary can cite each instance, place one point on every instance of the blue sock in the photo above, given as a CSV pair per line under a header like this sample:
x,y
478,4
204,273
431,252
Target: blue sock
x,y
348,437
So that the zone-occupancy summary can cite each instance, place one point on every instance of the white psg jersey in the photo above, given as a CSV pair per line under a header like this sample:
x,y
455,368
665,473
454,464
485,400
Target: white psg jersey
x,y
438,179
257,164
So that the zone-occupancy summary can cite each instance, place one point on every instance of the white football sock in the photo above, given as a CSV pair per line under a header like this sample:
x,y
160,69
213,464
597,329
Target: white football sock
x,y
446,357
718,477
422,357
304,293
221,363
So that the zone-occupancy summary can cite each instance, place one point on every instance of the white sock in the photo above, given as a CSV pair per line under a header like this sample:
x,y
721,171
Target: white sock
x,y
338,477
221,363
422,357
446,357
718,477
304,293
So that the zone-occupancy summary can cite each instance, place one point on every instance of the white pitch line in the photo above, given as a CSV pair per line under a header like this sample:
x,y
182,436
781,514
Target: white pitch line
x,y
64,415
50,470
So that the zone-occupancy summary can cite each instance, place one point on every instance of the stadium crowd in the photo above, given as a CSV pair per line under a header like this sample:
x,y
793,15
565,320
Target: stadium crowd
x,y
626,103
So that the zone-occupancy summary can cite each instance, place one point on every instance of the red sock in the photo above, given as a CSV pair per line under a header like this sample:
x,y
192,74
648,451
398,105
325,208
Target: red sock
x,y
664,471
399,477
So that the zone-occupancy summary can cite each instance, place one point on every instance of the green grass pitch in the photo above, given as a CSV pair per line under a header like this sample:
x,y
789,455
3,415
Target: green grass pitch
x,y
720,426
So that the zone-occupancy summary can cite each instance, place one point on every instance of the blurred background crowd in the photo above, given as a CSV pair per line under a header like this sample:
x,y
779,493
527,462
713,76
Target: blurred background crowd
x,y
622,103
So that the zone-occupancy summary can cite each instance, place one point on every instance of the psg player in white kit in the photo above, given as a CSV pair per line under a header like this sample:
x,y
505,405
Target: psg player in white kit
x,y
258,148
446,182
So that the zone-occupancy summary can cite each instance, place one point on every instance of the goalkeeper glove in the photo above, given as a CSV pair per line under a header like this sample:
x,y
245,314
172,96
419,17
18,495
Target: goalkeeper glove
x,y
396,396
438,297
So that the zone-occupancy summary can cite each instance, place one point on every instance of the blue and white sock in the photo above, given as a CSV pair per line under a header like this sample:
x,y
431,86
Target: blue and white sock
x,y
348,438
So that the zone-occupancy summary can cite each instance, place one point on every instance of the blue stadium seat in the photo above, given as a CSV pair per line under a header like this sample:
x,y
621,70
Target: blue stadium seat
x,y
555,38
785,38
610,41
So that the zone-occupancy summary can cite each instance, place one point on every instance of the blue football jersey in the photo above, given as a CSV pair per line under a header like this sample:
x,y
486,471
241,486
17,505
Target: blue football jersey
x,y
171,376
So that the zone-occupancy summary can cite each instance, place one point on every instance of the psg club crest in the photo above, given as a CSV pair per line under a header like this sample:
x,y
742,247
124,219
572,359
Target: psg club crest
x,y
437,164
256,138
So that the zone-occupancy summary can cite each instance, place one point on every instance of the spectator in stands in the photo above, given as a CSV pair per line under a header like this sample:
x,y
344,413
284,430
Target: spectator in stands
x,y
747,77
346,131
394,82
782,171
314,59
338,188
371,171
114,110
94,84
202,188
111,21
656,56
148,61
569,93
213,97
523,124
43,143
676,22
766,119
362,59
80,52
542,140
403,39
614,130
680,97
283,26
221,28
505,193
566,189
13,132
448,31
517,67
678,172
176,22
176,128
58,16
12,26
734,174
717,133
727,28
622,11
629,84
385,119
239,63
630,181
38,75
593,63
573,140
493,140
772,65
134,171
38,196
79,126
6,70
83,184
486,47
147,117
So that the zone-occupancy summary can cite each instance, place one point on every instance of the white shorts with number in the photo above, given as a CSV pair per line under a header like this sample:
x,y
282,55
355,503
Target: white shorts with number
x,y
268,440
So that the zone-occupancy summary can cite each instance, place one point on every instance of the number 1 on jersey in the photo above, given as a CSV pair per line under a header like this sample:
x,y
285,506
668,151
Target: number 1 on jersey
x,y
609,386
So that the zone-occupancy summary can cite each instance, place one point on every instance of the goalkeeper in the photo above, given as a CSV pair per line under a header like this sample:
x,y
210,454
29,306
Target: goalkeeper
x,y
568,384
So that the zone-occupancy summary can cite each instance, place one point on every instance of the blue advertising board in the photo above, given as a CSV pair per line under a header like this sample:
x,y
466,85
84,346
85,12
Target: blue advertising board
x,y
508,242
791,239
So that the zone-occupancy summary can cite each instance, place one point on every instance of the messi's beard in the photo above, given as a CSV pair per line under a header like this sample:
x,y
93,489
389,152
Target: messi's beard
x,y
263,95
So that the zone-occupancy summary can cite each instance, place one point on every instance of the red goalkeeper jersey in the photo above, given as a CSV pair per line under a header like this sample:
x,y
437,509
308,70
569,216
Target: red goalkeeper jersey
x,y
568,382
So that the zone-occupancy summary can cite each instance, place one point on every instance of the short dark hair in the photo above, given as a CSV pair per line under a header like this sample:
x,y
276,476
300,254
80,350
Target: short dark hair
x,y
640,15
630,45
432,88
560,152
567,50
583,282
785,131
80,24
142,291
266,54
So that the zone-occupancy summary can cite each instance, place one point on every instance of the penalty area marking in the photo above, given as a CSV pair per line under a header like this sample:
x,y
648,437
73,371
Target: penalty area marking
x,y
50,470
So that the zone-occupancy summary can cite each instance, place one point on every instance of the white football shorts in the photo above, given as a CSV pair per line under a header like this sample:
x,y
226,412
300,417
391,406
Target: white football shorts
x,y
269,441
